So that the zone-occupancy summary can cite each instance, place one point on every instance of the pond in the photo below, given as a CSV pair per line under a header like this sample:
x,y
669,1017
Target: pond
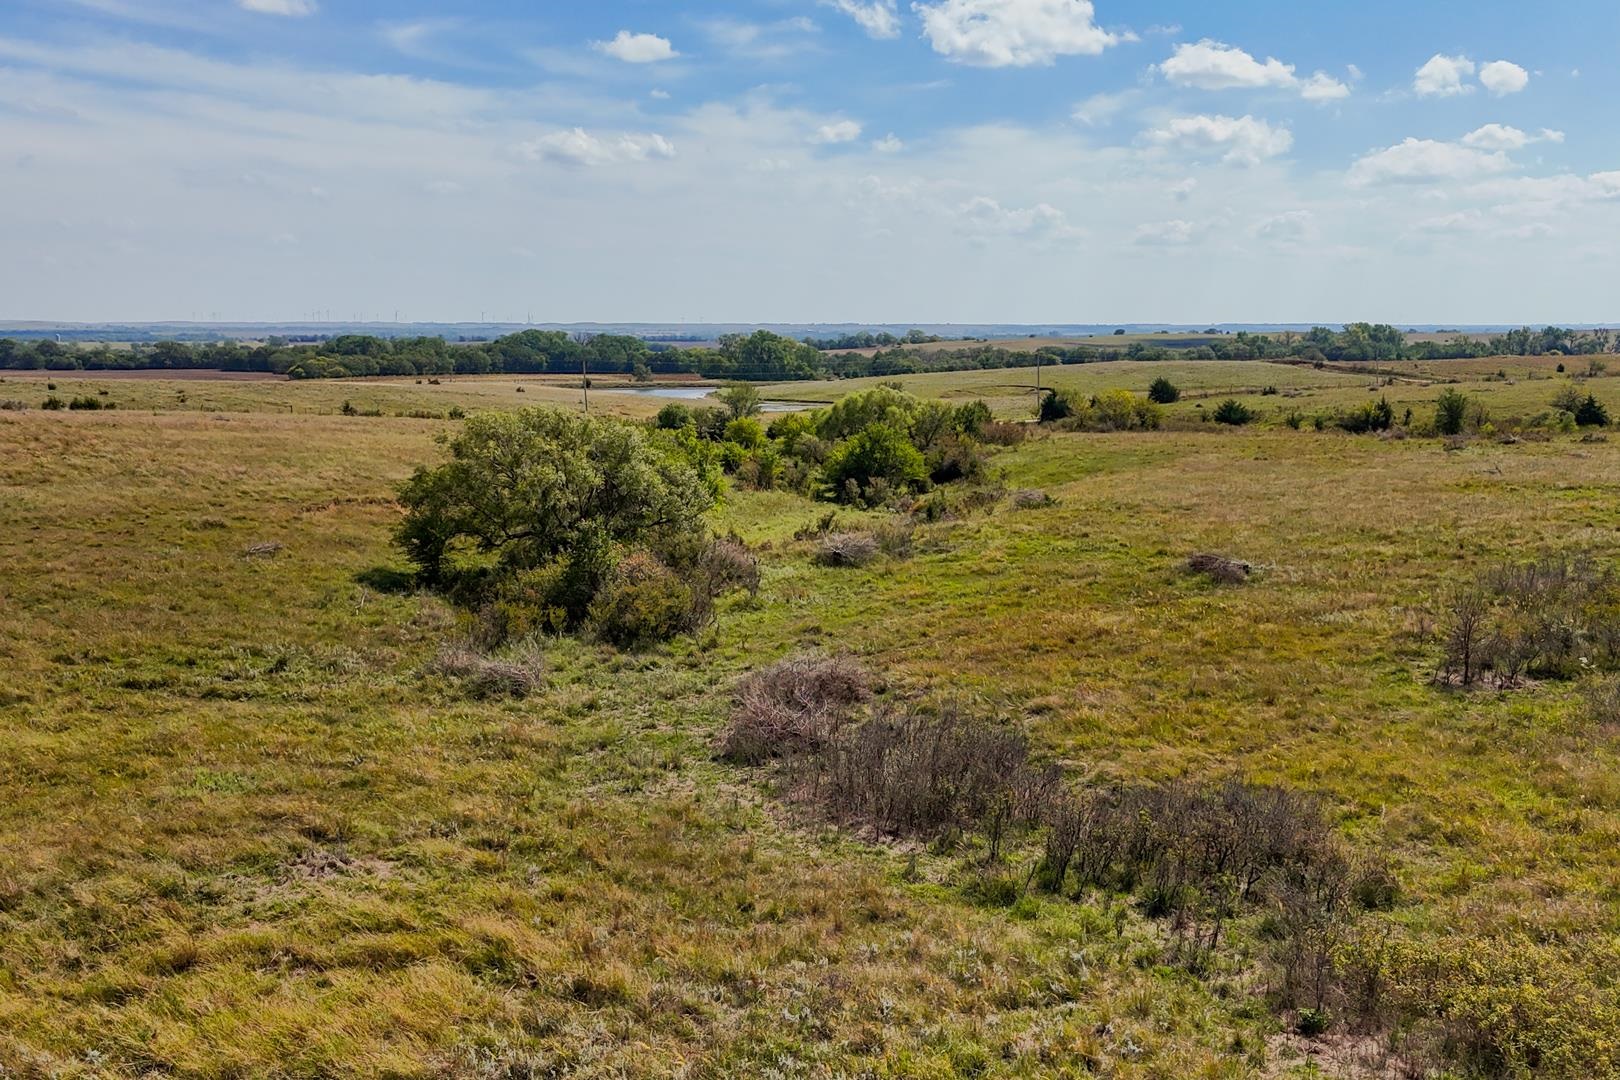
x,y
701,393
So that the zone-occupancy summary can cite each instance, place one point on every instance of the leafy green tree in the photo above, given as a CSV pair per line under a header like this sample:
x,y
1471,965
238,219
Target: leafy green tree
x,y
521,489
1163,392
1233,412
747,432
878,456
740,399
673,416
1057,405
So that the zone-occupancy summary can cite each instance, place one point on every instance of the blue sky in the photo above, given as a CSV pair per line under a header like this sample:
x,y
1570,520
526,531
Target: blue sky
x,y
810,160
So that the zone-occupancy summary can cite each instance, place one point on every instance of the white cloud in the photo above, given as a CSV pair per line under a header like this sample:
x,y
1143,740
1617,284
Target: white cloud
x,y
658,95
1013,33
580,147
1323,87
879,18
1290,229
1182,190
889,144
1210,65
762,42
278,7
985,217
1099,109
1242,140
839,131
1176,233
1443,76
637,48
1502,77
1424,160
1503,137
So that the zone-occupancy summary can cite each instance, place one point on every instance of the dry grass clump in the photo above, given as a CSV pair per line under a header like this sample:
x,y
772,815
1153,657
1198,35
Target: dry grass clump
x,y
847,549
795,706
518,675
1220,569
1032,499
269,549
1003,433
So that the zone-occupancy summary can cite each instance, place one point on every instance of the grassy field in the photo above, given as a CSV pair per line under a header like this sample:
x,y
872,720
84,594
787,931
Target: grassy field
x,y
242,832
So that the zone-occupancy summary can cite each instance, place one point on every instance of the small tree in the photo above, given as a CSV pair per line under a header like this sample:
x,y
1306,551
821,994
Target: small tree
x,y
1233,412
522,489
741,399
1163,392
1056,405
1451,413
877,457
1592,413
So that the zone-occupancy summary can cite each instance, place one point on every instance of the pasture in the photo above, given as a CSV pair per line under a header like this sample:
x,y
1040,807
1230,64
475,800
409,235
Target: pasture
x,y
245,830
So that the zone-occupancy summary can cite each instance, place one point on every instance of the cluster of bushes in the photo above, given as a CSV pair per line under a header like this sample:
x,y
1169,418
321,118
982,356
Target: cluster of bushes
x,y
1111,410
1218,865
1557,617
543,521
869,449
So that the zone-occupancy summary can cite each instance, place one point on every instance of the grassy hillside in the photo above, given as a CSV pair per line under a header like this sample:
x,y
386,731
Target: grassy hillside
x,y
244,832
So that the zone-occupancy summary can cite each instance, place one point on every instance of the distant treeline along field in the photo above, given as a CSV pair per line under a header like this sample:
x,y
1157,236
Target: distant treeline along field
x,y
761,356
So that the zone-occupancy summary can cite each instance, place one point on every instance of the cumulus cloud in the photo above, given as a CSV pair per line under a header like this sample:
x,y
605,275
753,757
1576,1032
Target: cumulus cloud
x,y
984,217
879,18
1503,137
278,7
1323,87
889,144
1241,140
1013,33
1503,77
638,48
1212,65
839,131
579,147
1444,76
1416,161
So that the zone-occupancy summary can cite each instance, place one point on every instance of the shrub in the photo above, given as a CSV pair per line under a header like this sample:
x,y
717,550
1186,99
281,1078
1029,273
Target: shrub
x,y
1374,416
1603,703
642,602
746,432
1163,392
53,404
847,549
522,489
894,538
972,418
87,404
517,675
922,776
728,566
673,417
1057,405
1003,433
1032,499
12,405
1233,412
876,461
1219,568
795,706
1592,413
954,458
1119,410
740,399
1550,618
1451,413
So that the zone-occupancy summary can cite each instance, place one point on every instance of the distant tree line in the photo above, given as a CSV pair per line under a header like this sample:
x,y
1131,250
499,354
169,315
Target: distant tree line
x,y
761,356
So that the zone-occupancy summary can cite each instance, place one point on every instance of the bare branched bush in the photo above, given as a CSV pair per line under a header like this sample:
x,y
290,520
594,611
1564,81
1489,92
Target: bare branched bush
x,y
895,538
1553,618
518,674
847,549
728,566
796,706
1003,433
1220,569
922,776
1603,703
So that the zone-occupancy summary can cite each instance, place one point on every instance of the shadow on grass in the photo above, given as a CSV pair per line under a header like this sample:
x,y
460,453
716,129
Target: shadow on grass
x,y
386,579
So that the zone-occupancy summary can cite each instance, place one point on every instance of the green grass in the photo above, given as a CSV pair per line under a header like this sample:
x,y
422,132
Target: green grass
x,y
242,833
